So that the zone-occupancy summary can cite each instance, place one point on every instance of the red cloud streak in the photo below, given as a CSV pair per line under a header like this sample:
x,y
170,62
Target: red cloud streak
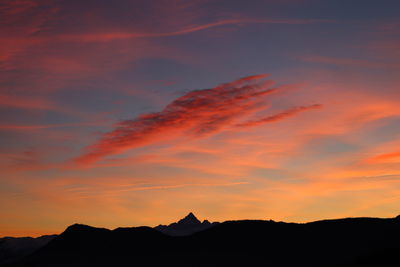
x,y
197,113
280,116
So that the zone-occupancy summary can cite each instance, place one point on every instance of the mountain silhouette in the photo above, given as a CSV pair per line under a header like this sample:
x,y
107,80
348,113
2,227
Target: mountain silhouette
x,y
14,248
340,242
189,219
186,226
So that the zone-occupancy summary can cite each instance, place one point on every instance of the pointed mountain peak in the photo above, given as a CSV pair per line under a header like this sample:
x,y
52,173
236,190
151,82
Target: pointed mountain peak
x,y
191,216
186,226
190,219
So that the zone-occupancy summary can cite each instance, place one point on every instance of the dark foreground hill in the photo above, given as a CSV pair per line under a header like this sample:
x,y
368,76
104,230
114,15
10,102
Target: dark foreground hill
x,y
343,242
14,248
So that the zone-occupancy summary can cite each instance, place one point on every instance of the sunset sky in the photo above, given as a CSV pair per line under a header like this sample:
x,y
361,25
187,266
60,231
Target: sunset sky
x,y
136,112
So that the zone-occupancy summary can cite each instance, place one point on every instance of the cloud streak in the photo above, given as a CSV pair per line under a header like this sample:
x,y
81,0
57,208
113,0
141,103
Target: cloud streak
x,y
93,190
98,37
280,116
26,102
196,114
384,158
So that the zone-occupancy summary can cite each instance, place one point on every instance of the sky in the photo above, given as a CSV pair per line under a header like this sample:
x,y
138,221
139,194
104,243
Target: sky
x,y
137,112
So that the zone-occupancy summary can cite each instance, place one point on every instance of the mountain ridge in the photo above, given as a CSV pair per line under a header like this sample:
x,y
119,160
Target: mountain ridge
x,y
359,241
14,248
188,225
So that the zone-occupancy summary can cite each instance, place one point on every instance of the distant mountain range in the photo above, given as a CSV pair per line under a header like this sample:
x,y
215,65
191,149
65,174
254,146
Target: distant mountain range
x,y
342,242
186,226
15,248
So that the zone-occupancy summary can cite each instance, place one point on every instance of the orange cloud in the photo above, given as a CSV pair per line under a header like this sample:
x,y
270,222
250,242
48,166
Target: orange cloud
x,y
197,113
387,157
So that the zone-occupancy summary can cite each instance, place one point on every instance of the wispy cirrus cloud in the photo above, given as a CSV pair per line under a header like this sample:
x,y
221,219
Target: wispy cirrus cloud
x,y
196,114
89,191
110,36
7,100
280,116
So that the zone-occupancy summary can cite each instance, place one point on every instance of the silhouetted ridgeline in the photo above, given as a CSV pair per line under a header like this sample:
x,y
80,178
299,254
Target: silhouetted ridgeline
x,y
186,226
343,242
15,248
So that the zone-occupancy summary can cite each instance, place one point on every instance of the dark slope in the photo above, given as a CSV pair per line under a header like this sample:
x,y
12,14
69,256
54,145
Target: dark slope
x,y
14,248
344,242
86,242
